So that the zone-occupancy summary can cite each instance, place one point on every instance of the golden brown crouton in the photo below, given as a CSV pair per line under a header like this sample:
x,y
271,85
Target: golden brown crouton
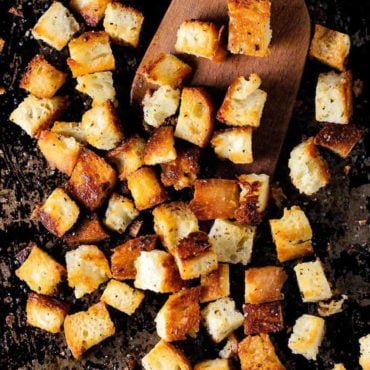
x,y
215,198
69,129
92,179
364,359
216,364
41,78
92,11
2,44
195,121
215,284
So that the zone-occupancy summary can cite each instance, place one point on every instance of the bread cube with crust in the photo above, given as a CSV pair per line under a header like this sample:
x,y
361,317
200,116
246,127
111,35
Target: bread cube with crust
x,y
215,284
90,53
85,329
292,234
56,26
195,121
92,11
202,39
41,79
215,364
308,333
45,313
123,24
231,347
330,47
69,129
364,359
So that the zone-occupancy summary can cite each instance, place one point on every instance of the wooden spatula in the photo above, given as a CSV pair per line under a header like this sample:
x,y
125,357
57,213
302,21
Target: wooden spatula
x,y
280,72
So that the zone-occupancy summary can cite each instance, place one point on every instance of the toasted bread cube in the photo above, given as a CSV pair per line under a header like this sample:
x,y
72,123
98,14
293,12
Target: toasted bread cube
x,y
124,256
85,329
69,129
332,307
339,367
92,11
59,212
333,100
216,364
179,316
90,52
145,188
243,103
2,44
41,79
60,152
167,70
308,170
160,105
56,26
91,180
160,147
308,333
258,352
312,281
34,115
87,268
173,222
234,144
123,24
364,359
264,284
202,39
122,297
128,157
215,284
220,318
231,347
45,313
165,356
330,47
195,121
263,318
215,198
292,234
232,242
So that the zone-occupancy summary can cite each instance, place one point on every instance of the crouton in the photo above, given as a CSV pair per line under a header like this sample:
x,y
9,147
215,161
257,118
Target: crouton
x,y
34,115
195,121
56,26
243,103
215,284
2,44
92,180
123,24
263,318
330,47
340,139
87,268
308,333
160,147
339,367
333,100
99,86
258,353
232,242
253,200
332,307
165,356
308,170
90,52
156,271
231,347
182,172
202,39
173,222
215,198
364,359
40,272
41,79
264,284
124,256
194,256
45,313
85,329
234,144
179,316
160,105
215,364
60,152
92,11
220,318
69,129
145,188
122,297
312,281
167,70
292,234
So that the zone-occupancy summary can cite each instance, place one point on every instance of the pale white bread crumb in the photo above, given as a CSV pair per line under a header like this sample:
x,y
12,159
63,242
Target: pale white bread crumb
x,y
364,359
215,364
92,11
69,129
332,307
231,347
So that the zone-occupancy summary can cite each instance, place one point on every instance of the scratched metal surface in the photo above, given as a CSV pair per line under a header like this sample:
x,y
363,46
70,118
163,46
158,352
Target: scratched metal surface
x,y
339,214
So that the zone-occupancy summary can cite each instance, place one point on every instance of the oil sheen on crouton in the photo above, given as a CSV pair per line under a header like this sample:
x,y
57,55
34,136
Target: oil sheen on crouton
x,y
92,11
215,284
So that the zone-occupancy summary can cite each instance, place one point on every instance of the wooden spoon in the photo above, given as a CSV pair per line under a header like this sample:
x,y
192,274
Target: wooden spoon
x,y
280,72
